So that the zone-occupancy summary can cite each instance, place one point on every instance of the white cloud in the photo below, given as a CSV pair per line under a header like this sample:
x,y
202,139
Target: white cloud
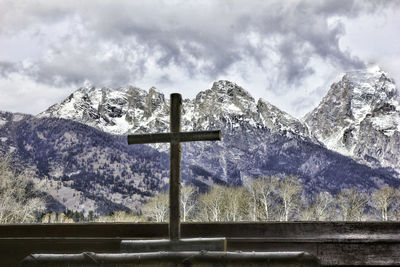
x,y
376,39
20,93
275,49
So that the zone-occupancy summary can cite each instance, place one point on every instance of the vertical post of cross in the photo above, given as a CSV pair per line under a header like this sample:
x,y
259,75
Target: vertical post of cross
x,y
175,137
175,174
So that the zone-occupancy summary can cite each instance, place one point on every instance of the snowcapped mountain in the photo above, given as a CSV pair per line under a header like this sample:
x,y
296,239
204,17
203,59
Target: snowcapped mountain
x,y
225,106
79,146
132,110
256,135
360,117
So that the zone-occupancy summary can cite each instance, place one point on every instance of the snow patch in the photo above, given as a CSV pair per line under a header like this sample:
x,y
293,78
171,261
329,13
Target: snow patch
x,y
2,121
334,142
232,108
17,117
387,124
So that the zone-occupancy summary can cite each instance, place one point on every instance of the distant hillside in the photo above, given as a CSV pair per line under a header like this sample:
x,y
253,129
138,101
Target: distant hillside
x,y
84,167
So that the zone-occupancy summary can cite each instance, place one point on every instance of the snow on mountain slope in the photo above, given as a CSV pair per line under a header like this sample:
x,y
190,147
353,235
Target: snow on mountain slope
x,y
360,117
256,135
132,110
258,139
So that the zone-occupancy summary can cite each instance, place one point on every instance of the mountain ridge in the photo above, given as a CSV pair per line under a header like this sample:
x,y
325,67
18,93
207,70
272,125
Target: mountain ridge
x,y
123,106
258,139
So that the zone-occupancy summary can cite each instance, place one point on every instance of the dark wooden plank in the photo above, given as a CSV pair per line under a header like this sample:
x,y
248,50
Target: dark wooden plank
x,y
240,229
175,170
126,230
187,244
334,243
12,251
168,137
178,259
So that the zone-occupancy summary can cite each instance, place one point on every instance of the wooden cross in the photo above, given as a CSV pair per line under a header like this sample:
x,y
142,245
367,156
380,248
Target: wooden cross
x,y
175,137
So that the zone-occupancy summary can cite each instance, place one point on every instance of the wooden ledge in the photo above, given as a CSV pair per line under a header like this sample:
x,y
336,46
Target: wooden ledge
x,y
178,258
188,244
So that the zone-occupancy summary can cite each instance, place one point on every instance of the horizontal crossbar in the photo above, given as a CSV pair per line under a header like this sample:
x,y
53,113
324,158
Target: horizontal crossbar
x,y
178,137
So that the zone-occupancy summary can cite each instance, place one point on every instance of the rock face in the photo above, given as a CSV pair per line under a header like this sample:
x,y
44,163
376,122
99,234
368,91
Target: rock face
x,y
257,136
132,110
360,118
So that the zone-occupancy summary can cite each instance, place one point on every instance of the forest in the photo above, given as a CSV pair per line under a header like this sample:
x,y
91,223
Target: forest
x,y
266,198
271,198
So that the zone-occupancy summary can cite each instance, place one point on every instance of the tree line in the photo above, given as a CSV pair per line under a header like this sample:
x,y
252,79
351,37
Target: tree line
x,y
267,198
270,198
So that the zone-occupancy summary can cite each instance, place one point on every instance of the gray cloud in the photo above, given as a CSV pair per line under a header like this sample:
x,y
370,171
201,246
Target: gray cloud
x,y
116,42
6,68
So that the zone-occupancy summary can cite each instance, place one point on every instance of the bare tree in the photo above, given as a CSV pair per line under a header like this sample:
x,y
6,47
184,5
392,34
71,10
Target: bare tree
x,y
56,218
396,205
157,207
289,190
352,203
320,208
307,212
253,200
261,197
382,200
188,201
234,204
19,202
265,186
121,216
211,204
324,206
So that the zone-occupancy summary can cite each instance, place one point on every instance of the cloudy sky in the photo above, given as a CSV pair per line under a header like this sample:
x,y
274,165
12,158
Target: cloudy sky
x,y
287,52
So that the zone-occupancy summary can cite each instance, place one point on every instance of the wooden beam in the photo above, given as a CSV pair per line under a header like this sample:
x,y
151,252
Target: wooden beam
x,y
175,170
168,137
187,258
375,243
186,244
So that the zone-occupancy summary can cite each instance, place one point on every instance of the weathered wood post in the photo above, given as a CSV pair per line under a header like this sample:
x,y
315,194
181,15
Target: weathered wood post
x,y
175,169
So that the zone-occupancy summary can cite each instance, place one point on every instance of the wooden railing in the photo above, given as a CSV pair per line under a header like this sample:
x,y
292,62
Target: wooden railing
x,y
334,243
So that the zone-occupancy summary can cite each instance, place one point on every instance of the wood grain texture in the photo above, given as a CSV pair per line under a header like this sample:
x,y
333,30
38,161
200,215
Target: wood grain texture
x,y
334,243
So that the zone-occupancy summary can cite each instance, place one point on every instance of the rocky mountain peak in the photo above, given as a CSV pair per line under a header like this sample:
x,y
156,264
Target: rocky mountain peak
x,y
155,94
368,91
133,110
225,97
229,102
231,90
362,107
278,120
